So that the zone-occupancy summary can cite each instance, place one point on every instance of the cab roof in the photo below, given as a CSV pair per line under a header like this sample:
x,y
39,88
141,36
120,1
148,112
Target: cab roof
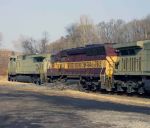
x,y
139,44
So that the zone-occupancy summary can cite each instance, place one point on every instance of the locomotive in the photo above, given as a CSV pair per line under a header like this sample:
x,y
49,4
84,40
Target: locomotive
x,y
91,65
28,68
132,70
121,67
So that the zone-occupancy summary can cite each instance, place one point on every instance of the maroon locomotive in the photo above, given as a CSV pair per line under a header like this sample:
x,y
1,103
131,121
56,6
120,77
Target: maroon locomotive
x,y
92,64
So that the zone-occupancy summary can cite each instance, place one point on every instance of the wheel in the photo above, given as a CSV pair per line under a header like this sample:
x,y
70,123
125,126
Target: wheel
x,y
141,90
11,79
130,88
82,85
14,79
50,80
95,86
119,88
38,81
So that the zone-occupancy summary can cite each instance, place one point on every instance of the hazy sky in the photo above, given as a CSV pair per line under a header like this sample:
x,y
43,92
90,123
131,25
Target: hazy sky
x,y
32,17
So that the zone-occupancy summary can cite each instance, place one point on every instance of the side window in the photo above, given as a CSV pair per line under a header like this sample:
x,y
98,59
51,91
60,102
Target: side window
x,y
13,59
129,51
38,59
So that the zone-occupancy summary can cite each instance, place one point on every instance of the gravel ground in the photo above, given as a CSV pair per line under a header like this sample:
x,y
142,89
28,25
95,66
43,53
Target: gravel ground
x,y
72,85
27,109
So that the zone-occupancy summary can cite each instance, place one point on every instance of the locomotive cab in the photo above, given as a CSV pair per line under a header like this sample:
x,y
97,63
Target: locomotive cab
x,y
29,68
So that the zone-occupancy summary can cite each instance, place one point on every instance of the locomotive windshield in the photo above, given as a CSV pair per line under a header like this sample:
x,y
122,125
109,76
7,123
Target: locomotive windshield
x,y
12,59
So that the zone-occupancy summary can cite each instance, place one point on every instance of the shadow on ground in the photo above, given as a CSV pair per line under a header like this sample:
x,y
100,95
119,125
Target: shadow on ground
x,y
31,110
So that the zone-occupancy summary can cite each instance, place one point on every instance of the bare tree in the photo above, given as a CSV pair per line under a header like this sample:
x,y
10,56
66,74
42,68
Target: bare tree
x,y
87,30
82,33
44,43
113,31
109,32
30,46
136,30
74,35
146,27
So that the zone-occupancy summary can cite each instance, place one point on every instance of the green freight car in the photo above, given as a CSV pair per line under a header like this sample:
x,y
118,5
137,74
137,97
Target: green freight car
x,y
29,68
132,70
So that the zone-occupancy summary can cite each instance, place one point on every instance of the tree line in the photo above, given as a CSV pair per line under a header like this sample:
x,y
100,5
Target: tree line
x,y
114,31
86,32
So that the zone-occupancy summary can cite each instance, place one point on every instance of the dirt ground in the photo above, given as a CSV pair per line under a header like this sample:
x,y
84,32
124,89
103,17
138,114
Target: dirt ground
x,y
30,106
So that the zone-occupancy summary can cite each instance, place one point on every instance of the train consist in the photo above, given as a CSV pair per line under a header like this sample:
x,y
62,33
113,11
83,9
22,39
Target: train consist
x,y
118,67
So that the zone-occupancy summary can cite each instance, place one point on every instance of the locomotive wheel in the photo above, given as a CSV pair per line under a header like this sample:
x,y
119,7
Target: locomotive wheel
x,y
88,85
14,79
11,79
95,86
85,86
130,88
82,85
50,80
37,81
141,90
119,88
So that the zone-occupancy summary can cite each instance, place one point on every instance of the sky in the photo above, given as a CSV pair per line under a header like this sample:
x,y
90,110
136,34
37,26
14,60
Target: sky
x,y
32,17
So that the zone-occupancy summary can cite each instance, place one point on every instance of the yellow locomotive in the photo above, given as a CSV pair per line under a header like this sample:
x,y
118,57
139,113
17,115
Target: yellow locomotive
x,y
28,68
